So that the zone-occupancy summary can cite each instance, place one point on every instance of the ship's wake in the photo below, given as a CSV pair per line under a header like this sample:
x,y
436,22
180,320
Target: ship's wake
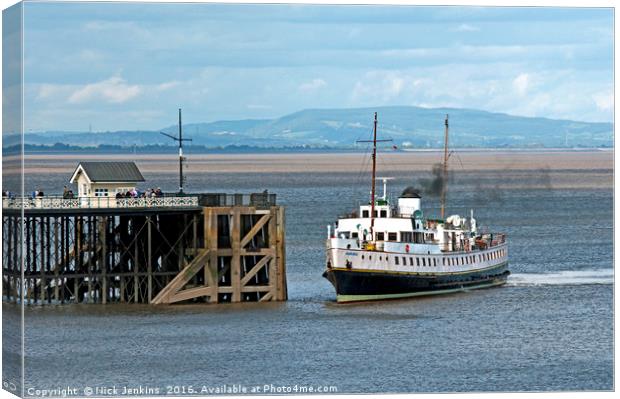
x,y
563,277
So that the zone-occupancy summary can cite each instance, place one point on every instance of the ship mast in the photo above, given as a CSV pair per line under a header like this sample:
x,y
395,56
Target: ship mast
x,y
374,142
445,172
374,178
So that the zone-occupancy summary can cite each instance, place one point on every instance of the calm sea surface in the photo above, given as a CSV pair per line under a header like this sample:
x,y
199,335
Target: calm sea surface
x,y
549,329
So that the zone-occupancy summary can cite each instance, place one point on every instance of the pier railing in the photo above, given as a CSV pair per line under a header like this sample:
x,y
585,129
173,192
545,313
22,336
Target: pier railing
x,y
257,200
99,202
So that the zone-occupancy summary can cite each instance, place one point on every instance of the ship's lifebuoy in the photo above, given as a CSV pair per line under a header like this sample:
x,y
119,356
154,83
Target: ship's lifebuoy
x,y
407,248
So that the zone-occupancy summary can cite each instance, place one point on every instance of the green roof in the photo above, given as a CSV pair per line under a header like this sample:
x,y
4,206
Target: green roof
x,y
102,172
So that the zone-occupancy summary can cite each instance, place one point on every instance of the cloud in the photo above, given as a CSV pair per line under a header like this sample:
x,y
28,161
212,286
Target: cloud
x,y
385,86
313,85
259,106
167,85
521,84
467,28
604,101
112,90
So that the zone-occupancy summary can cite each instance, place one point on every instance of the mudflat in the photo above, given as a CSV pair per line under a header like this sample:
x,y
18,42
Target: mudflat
x,y
330,162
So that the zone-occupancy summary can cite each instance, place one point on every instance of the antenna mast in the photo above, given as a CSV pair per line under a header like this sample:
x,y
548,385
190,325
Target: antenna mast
x,y
180,139
180,154
445,172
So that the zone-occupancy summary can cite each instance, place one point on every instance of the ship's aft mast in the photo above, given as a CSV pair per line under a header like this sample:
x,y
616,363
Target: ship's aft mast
x,y
445,172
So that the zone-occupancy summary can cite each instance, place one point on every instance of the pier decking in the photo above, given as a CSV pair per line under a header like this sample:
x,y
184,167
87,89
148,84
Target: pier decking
x,y
200,247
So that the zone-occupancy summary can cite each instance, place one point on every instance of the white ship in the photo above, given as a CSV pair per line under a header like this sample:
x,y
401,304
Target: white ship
x,y
391,251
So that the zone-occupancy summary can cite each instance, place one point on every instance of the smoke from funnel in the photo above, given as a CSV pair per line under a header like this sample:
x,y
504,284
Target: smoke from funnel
x,y
410,190
434,186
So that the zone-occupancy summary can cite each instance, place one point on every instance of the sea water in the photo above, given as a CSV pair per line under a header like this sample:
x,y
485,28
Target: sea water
x,y
550,328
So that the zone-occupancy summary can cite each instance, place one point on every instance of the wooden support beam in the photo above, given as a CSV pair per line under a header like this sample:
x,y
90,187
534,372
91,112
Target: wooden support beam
x,y
259,265
190,293
281,289
255,229
149,260
103,243
211,275
182,278
235,261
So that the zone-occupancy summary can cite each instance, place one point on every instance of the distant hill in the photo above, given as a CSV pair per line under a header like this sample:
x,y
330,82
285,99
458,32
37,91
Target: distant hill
x,y
411,127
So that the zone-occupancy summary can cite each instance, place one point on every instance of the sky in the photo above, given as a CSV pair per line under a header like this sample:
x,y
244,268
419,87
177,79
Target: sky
x,y
123,66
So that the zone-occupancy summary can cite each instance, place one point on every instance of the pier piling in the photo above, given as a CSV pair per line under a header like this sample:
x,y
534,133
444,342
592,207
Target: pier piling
x,y
205,248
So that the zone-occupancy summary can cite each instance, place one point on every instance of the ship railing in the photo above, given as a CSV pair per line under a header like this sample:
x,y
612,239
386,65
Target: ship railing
x,y
498,239
58,202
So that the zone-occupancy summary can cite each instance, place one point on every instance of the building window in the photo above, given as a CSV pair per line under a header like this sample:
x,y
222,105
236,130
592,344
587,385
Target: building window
x,y
101,192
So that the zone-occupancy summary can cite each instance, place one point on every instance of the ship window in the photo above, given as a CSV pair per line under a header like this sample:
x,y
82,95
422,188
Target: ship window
x,y
354,235
406,236
380,258
383,213
396,260
417,261
410,261
443,261
362,256
404,261
391,236
434,261
365,214
375,213
380,237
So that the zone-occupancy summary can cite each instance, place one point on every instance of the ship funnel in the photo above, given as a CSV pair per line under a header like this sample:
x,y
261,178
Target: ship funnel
x,y
408,202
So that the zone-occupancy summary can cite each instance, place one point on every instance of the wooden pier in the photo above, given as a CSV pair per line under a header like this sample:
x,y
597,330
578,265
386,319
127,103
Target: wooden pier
x,y
201,248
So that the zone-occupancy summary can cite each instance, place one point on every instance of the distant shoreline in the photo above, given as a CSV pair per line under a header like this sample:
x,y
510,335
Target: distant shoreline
x,y
269,150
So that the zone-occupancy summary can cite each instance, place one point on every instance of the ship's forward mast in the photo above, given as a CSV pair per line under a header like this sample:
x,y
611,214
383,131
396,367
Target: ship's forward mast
x,y
374,142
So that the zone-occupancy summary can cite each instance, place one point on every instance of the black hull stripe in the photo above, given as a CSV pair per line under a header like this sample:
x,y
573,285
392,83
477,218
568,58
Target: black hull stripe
x,y
352,282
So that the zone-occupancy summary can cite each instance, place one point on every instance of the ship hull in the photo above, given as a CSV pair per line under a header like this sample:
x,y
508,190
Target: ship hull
x,y
365,285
